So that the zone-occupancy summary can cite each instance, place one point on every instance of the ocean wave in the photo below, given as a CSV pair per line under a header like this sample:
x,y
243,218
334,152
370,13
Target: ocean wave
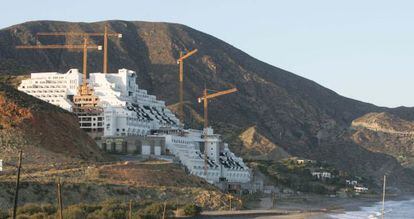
x,y
393,209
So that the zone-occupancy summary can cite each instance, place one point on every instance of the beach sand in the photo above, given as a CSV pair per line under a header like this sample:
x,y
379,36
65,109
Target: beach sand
x,y
308,206
313,206
318,206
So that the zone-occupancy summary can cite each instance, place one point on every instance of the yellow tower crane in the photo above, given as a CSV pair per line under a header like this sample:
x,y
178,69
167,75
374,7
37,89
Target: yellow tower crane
x,y
105,35
206,96
84,47
180,62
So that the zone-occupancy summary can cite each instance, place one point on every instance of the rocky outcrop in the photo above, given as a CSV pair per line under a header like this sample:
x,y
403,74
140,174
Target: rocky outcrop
x,y
386,133
258,147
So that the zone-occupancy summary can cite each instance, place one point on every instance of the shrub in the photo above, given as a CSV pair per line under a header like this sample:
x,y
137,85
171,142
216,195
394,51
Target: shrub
x,y
48,209
40,216
109,209
23,216
29,209
155,210
89,208
152,211
74,212
3,215
192,210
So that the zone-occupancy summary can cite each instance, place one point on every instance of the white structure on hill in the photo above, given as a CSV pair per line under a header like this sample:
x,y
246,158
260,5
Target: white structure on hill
x,y
321,174
205,155
127,111
53,87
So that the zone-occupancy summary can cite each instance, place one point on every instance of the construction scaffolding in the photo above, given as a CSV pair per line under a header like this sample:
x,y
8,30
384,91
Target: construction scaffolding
x,y
85,107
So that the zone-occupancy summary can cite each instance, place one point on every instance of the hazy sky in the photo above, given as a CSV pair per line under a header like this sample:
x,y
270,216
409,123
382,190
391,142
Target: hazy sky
x,y
363,49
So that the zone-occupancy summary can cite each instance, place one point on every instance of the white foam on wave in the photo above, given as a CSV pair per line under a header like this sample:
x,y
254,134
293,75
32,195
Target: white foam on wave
x,y
393,209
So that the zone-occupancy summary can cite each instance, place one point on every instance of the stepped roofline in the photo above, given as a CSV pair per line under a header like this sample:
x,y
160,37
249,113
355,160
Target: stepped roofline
x,y
39,75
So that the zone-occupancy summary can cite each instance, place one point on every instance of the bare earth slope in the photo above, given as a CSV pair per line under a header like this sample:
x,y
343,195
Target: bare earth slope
x,y
45,133
387,133
256,146
298,115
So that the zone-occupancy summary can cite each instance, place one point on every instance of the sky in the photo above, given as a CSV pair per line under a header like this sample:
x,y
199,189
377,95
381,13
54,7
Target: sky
x,y
362,49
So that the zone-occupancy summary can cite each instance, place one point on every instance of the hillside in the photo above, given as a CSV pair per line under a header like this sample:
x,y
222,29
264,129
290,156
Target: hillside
x,y
385,122
142,181
301,117
386,133
55,147
258,147
45,133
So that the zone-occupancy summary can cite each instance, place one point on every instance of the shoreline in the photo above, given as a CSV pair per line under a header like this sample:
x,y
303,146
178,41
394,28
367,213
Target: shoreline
x,y
336,204
318,206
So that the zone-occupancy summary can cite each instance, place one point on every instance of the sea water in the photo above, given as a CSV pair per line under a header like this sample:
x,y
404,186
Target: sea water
x,y
393,209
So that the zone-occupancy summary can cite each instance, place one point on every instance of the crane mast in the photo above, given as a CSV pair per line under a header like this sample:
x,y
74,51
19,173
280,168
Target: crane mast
x,y
206,96
85,102
180,62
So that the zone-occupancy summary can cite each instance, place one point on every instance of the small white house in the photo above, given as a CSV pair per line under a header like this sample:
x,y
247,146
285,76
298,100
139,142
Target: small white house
x,y
321,174
360,189
300,161
303,161
351,182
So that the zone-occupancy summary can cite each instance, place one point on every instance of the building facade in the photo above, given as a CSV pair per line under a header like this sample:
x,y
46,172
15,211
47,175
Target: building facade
x,y
205,155
53,87
129,110
126,119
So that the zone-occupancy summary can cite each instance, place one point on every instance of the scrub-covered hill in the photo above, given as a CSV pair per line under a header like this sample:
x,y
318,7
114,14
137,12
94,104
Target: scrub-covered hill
x,y
290,114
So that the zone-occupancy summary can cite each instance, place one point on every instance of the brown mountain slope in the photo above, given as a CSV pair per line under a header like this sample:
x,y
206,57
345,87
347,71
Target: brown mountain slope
x,y
45,133
384,122
258,147
300,116
386,133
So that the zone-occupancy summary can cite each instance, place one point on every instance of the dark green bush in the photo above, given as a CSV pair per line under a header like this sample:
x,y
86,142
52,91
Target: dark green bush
x,y
192,210
3,215
74,212
29,209
109,209
156,210
152,211
48,209
40,216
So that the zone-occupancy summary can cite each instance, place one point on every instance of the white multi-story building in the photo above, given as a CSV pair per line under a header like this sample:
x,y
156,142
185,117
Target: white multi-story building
x,y
53,87
125,111
205,155
129,110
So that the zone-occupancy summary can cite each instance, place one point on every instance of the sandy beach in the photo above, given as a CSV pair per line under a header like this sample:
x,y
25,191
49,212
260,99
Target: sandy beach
x,y
307,206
